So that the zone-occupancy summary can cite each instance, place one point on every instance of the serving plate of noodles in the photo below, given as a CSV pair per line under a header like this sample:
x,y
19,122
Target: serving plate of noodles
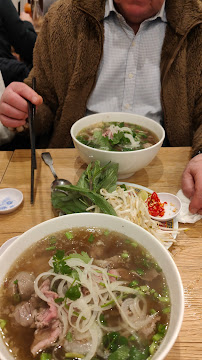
x,y
128,200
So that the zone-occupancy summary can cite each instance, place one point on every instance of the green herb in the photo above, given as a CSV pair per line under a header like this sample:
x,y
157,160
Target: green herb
x,y
76,199
51,248
74,356
120,354
83,256
102,320
15,282
2,323
137,354
68,336
91,238
140,272
106,233
69,235
125,255
52,240
45,356
73,293
59,300
113,340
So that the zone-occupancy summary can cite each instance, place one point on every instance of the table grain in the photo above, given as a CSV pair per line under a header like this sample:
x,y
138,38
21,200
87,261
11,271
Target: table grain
x,y
162,174
5,157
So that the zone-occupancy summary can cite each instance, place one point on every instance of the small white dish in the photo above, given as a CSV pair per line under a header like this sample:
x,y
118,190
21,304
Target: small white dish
x,y
10,199
172,206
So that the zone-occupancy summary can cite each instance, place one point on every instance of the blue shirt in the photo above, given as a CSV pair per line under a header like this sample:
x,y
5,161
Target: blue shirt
x,y
128,78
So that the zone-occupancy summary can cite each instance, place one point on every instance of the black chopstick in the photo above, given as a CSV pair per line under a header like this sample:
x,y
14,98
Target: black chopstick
x,y
31,120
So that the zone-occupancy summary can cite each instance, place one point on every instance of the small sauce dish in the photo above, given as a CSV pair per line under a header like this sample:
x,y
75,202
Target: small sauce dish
x,y
172,206
10,200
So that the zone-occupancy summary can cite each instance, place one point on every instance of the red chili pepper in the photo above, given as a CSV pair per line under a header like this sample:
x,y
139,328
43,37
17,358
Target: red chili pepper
x,y
155,207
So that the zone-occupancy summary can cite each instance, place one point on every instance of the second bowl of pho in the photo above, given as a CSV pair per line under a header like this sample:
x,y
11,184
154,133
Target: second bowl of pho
x,y
130,140
88,286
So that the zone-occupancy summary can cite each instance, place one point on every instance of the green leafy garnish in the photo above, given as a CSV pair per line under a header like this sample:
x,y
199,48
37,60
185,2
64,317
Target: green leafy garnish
x,y
73,293
77,198
91,238
83,256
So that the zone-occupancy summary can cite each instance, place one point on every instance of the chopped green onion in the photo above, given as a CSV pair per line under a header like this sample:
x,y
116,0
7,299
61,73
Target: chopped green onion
x,y
164,299
133,283
106,232
152,348
125,255
91,238
73,356
157,337
52,240
45,356
166,310
140,272
68,336
69,235
2,323
15,282
51,248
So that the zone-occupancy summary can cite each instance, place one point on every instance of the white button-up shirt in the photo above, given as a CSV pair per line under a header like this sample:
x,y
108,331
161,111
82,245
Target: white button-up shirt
x,y
128,79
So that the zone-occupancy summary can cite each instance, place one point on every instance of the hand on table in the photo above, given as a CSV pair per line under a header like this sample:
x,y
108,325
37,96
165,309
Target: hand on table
x,y
192,184
14,106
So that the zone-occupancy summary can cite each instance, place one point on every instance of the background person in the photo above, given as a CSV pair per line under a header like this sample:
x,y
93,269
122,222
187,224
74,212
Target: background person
x,y
15,33
155,72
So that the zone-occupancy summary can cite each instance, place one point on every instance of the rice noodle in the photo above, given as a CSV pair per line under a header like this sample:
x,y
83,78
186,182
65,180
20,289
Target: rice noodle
x,y
82,316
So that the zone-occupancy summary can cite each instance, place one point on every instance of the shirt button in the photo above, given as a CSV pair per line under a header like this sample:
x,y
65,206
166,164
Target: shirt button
x,y
130,75
127,106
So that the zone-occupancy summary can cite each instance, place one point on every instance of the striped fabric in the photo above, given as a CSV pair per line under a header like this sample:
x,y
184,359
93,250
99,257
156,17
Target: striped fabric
x,y
128,79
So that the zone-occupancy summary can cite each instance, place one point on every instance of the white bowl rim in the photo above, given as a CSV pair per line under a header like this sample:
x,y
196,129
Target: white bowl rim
x,y
117,152
125,223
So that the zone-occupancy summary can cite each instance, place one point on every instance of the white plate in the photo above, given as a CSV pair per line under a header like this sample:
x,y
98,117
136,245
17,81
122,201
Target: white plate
x,y
7,244
10,199
169,224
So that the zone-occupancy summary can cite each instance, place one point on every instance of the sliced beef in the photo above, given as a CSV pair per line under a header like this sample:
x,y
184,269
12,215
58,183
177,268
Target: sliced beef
x,y
45,316
149,275
44,338
110,263
23,286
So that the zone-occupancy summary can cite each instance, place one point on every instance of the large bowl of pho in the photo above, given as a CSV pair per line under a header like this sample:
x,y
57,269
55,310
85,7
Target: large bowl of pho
x,y
88,286
130,140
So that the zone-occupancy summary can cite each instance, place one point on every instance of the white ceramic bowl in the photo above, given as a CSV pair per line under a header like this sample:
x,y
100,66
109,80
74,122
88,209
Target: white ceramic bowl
x,y
172,207
130,161
125,227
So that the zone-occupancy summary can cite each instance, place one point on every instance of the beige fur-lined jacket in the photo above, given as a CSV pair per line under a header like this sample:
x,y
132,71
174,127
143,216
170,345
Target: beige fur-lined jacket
x,y
68,52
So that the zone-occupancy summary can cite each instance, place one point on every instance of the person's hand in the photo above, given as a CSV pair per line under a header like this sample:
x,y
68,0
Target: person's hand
x,y
192,184
26,17
14,106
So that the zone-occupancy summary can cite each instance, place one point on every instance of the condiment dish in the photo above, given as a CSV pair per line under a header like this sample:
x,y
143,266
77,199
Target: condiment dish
x,y
172,206
10,200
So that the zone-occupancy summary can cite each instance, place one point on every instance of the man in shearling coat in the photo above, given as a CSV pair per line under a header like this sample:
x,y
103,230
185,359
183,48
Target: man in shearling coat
x,y
141,56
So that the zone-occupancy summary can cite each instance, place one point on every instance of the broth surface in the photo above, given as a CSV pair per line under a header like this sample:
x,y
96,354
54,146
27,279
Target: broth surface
x,y
117,136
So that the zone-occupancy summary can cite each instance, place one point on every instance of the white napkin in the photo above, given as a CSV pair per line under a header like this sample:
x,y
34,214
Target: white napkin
x,y
185,216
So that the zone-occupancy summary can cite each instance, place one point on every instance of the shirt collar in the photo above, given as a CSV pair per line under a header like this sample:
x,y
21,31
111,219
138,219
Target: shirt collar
x,y
109,7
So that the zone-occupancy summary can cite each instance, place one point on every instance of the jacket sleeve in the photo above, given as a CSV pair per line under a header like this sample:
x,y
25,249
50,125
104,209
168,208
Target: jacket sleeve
x,y
21,34
42,71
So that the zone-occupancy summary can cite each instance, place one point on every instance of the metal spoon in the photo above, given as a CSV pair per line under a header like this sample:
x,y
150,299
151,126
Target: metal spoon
x,y
47,158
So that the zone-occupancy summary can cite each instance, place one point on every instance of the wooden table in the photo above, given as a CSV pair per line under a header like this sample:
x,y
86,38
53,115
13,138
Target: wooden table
x,y
162,174
5,157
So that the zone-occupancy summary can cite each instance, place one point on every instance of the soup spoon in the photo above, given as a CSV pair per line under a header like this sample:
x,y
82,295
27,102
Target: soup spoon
x,y
47,158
